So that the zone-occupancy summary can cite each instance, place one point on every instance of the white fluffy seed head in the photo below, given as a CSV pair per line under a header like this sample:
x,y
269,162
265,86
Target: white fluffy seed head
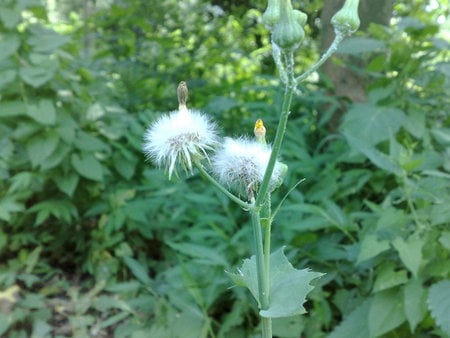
x,y
180,136
241,164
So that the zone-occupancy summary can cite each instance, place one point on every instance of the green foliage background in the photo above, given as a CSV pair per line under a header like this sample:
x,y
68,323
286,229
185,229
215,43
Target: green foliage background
x,y
95,242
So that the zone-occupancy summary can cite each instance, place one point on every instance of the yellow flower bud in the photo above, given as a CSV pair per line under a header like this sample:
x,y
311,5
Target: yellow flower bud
x,y
260,131
346,20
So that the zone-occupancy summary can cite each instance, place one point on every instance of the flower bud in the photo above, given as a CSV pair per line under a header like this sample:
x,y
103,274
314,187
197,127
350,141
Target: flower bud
x,y
346,20
272,14
300,17
260,131
287,33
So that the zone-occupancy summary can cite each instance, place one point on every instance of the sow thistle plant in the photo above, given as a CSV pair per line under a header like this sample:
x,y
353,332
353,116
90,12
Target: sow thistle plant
x,y
248,170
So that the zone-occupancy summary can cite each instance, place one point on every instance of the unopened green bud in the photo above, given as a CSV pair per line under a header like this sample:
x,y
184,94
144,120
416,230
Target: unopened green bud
x,y
346,20
300,17
288,33
272,14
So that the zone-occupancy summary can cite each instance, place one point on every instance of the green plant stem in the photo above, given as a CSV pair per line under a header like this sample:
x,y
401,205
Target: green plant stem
x,y
333,47
281,129
243,204
263,277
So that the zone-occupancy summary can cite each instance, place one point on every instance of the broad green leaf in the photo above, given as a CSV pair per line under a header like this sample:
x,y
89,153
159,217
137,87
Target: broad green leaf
x,y
378,158
6,77
207,254
439,304
387,277
38,75
12,108
21,181
9,206
288,327
445,239
5,322
410,252
288,286
44,40
57,157
358,45
8,45
371,247
441,135
10,16
125,167
87,166
370,124
41,146
414,302
355,325
386,312
67,182
43,112
89,143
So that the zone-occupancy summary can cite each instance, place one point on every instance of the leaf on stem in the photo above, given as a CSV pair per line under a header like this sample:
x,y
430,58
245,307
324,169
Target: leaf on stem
x,y
288,286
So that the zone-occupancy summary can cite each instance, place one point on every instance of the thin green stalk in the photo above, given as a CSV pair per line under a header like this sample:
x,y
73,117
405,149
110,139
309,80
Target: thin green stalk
x,y
263,278
281,129
267,230
243,204
333,47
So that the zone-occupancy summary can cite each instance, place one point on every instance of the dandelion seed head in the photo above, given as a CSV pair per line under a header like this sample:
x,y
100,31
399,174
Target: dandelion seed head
x,y
181,136
241,163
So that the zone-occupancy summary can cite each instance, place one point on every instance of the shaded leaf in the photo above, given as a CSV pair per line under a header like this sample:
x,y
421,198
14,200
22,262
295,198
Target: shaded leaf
x,y
439,304
354,325
385,313
414,302
87,166
288,286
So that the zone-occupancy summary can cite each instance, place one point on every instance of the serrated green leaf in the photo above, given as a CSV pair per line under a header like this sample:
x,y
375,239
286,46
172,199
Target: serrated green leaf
x,y
354,325
410,252
414,301
43,112
288,286
87,166
61,209
439,304
386,312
